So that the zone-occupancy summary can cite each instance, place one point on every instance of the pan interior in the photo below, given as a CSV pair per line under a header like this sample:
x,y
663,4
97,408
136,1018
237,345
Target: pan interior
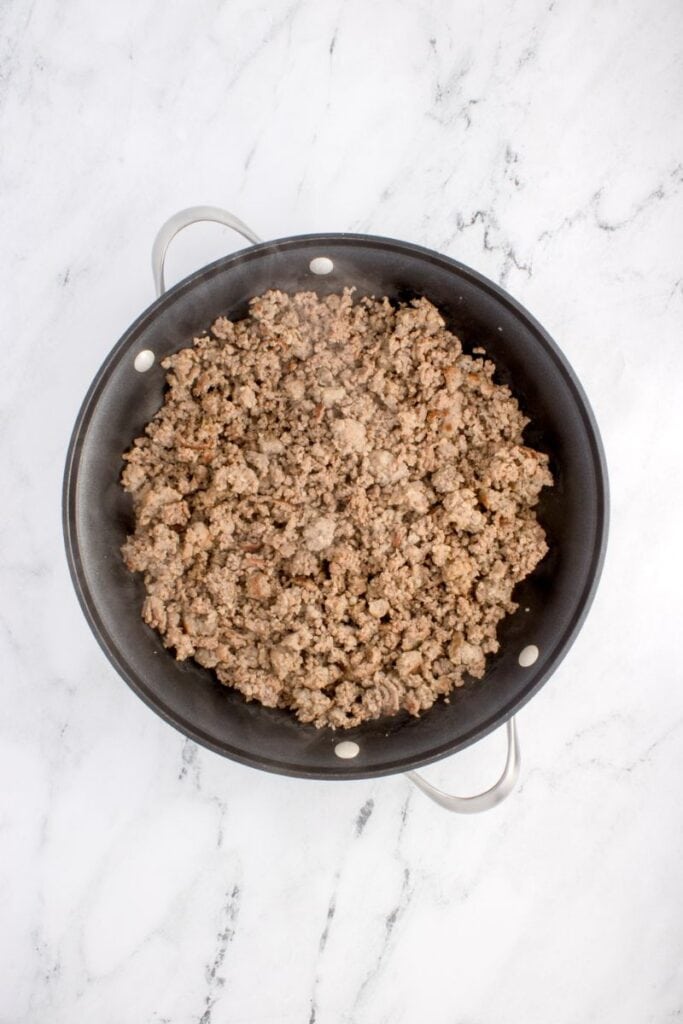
x,y
552,601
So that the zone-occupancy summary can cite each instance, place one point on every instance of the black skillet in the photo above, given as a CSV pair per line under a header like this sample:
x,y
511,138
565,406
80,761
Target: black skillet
x,y
553,601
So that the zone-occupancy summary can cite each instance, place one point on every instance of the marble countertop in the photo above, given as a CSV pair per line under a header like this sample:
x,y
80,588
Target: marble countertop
x,y
145,879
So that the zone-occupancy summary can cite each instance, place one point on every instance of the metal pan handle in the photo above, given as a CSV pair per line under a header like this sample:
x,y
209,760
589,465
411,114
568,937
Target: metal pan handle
x,y
183,219
481,801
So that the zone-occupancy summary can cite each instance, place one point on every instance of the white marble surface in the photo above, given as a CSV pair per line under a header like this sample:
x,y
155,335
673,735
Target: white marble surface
x,y
143,879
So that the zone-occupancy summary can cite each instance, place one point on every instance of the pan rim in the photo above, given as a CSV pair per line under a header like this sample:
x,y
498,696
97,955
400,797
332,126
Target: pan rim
x,y
342,771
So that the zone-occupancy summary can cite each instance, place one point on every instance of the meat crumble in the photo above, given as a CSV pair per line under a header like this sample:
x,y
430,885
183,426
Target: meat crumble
x,y
333,506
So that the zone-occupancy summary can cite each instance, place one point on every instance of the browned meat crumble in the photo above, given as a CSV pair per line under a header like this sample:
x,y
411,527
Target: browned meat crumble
x,y
333,506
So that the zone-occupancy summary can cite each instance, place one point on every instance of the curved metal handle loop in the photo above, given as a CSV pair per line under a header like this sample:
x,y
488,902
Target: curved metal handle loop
x,y
481,801
183,219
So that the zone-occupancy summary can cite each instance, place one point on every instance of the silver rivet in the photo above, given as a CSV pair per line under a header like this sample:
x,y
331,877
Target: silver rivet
x,y
347,749
528,656
321,265
144,361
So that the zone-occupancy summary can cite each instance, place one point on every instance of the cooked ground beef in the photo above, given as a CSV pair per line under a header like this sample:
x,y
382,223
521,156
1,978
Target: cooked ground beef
x,y
333,506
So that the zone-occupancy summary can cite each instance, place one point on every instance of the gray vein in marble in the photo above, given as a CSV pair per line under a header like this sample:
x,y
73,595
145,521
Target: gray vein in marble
x,y
390,922
504,247
331,909
533,44
324,936
660,192
190,762
646,757
48,968
364,816
554,778
284,22
362,819
191,769
597,726
250,155
448,91
398,910
8,64
591,210
510,170
214,979
441,102
405,809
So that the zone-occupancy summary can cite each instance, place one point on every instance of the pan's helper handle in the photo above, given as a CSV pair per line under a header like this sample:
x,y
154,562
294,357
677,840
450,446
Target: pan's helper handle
x,y
183,219
482,801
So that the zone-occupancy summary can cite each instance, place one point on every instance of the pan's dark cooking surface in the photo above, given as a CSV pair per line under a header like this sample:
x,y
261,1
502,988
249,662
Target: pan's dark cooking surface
x,y
552,601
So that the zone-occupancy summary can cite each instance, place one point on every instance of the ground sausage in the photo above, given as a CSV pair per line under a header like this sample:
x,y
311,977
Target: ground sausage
x,y
333,506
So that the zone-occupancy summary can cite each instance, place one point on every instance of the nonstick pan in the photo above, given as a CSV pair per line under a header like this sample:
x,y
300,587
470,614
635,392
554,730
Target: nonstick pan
x,y
553,601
